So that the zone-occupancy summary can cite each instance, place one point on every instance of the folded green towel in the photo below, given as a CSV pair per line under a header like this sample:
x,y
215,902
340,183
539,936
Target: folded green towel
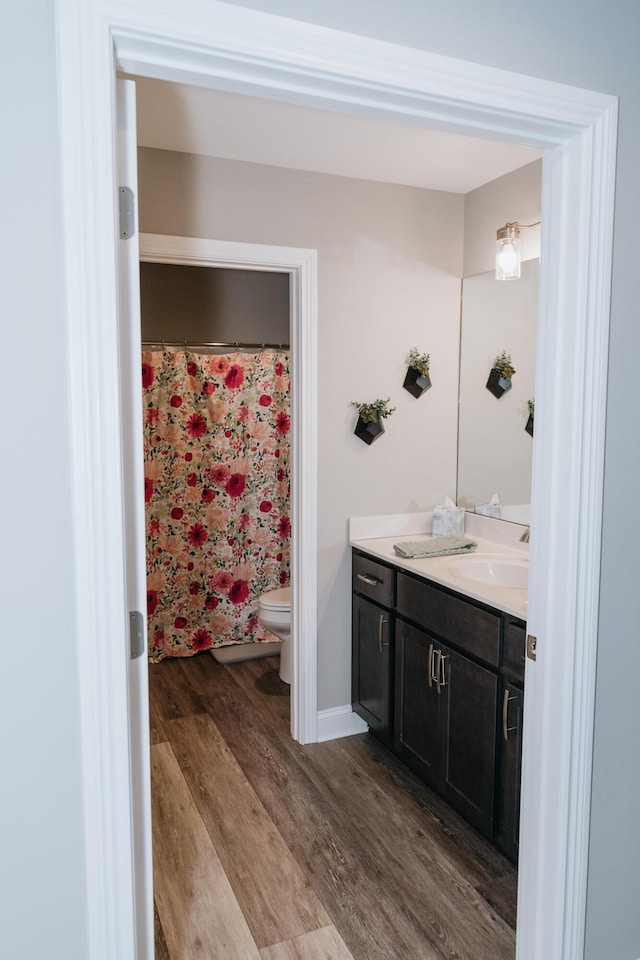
x,y
437,547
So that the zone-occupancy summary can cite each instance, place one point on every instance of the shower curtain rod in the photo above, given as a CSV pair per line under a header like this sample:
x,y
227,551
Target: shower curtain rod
x,y
204,343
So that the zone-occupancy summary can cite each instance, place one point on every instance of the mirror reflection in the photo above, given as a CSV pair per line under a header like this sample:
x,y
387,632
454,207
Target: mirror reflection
x,y
494,448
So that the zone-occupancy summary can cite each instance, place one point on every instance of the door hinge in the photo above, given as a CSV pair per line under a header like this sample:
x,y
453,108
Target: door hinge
x,y
532,646
127,207
136,634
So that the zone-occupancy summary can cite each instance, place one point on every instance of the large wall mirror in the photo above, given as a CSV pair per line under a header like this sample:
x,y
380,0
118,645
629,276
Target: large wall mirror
x,y
494,449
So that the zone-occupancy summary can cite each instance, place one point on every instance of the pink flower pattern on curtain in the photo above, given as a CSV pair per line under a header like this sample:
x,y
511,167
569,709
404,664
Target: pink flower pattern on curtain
x,y
217,493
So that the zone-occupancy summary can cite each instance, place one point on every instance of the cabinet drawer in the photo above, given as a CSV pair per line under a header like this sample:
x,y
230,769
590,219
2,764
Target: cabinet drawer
x,y
373,580
515,648
463,624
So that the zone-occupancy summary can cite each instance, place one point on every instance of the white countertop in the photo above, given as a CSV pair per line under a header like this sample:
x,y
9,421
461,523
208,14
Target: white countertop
x,y
512,600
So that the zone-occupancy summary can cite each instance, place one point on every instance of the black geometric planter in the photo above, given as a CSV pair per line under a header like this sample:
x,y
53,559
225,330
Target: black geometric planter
x,y
416,383
497,384
368,431
529,426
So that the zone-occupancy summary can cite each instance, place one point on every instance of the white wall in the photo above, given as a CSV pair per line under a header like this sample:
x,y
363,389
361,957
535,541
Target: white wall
x,y
588,43
42,891
389,263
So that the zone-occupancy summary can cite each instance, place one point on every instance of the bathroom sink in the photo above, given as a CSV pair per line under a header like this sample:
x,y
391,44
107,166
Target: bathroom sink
x,y
495,571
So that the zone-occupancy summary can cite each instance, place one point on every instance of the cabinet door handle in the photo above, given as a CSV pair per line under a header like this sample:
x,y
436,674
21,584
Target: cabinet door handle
x,y
437,670
371,581
442,676
505,714
381,623
430,677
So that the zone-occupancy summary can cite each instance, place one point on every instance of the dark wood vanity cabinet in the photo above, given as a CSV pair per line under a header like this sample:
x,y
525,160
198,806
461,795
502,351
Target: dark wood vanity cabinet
x,y
440,680
372,650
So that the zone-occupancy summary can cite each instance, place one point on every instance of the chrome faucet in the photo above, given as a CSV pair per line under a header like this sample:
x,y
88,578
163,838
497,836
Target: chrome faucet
x,y
524,538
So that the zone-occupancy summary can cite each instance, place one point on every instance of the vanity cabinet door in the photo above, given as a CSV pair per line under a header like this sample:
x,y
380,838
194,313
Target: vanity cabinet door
x,y
446,707
467,743
372,666
417,702
509,769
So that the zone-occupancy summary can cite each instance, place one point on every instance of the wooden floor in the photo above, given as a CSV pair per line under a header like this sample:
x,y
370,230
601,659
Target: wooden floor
x,y
267,850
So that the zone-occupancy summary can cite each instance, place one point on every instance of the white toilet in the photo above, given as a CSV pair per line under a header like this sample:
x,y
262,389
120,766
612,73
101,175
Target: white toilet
x,y
274,613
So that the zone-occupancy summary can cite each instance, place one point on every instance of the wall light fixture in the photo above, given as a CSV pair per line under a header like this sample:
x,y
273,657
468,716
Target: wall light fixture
x,y
508,253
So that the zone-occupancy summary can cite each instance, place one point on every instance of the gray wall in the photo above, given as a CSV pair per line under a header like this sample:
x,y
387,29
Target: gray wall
x,y
204,304
43,910
588,43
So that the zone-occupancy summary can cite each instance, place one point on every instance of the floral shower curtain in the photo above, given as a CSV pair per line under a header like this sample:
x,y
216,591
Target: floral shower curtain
x,y
217,493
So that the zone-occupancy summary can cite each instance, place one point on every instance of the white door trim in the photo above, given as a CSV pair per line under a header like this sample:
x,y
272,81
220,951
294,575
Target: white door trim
x,y
135,540
208,43
301,265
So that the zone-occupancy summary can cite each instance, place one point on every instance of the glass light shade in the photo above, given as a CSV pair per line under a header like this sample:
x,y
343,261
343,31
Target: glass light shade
x,y
508,252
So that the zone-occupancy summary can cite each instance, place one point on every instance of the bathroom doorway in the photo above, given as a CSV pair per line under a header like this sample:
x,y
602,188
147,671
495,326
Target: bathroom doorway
x,y
299,267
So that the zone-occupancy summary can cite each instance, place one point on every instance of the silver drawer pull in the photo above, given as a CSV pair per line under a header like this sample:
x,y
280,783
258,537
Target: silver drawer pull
x,y
371,581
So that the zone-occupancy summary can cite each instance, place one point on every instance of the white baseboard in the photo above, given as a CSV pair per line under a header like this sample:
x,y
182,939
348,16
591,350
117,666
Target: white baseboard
x,y
339,722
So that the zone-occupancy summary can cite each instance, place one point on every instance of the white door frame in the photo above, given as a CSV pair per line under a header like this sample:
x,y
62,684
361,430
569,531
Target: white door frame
x,y
134,506
301,266
241,50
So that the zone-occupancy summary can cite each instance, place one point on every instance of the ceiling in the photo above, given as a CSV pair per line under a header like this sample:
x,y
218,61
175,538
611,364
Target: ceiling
x,y
197,120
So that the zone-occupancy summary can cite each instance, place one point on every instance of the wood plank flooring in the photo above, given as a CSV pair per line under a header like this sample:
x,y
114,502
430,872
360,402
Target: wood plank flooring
x,y
268,850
